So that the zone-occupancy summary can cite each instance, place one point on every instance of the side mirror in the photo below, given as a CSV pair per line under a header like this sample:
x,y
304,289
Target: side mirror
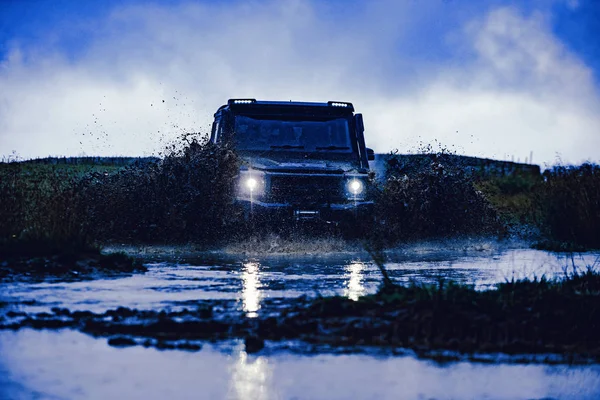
x,y
358,120
370,154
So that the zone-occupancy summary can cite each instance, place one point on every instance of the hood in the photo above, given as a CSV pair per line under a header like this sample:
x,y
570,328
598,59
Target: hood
x,y
299,165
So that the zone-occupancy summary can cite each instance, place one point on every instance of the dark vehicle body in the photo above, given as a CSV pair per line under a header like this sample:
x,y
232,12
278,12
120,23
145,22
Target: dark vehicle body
x,y
303,160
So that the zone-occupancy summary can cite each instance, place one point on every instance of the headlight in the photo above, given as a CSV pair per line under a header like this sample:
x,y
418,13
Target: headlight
x,y
355,187
251,182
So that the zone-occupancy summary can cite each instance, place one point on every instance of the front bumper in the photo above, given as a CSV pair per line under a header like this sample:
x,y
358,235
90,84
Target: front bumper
x,y
333,212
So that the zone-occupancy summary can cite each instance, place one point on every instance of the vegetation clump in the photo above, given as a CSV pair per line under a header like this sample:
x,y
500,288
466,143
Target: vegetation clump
x,y
41,208
560,207
512,196
74,263
525,316
54,215
569,204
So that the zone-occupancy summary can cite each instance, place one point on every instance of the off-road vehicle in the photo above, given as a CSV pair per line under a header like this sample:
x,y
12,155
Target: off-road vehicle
x,y
303,160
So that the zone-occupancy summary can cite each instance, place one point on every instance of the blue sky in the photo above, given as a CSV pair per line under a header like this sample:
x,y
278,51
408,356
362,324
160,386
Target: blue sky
x,y
499,79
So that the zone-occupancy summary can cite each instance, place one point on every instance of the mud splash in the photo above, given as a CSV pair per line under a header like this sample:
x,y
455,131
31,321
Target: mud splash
x,y
435,199
275,244
185,197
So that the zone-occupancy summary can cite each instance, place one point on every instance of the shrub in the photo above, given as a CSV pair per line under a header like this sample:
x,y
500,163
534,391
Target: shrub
x,y
569,204
40,209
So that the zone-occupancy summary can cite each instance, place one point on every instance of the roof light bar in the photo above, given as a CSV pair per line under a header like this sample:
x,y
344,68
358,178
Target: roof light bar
x,y
241,101
339,104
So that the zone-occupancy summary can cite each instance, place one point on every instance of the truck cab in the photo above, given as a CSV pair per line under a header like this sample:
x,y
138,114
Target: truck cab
x,y
303,160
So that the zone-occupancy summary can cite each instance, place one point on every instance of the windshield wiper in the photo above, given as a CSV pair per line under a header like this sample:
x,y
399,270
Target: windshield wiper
x,y
334,148
287,146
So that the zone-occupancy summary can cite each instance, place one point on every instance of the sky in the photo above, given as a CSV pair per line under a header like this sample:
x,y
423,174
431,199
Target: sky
x,y
508,80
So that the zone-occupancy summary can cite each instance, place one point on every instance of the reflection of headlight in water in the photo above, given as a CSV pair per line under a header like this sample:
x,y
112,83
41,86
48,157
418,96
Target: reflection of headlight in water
x,y
250,293
355,287
250,377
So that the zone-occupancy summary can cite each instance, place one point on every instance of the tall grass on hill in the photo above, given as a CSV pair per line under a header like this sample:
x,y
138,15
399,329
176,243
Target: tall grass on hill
x,y
40,209
562,205
512,196
12,196
569,202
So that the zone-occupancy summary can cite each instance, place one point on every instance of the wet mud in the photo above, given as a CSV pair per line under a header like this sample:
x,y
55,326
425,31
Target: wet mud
x,y
463,325
67,266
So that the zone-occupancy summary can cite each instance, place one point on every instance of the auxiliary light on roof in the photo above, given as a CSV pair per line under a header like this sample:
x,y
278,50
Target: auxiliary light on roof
x,y
339,104
242,101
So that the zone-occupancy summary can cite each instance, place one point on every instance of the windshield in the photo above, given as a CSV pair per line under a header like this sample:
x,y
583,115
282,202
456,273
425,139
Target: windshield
x,y
256,133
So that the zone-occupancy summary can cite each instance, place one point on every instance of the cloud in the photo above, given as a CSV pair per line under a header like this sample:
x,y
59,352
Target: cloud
x,y
521,92
573,4
504,86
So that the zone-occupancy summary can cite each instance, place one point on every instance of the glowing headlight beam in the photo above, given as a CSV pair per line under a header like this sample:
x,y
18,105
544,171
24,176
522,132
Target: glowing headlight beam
x,y
355,186
251,183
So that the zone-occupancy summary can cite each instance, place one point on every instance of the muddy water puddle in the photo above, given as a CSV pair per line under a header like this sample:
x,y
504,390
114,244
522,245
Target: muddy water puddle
x,y
248,283
67,364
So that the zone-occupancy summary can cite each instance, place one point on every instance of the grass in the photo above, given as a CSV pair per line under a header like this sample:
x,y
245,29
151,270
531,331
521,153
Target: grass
x,y
523,316
187,196
569,200
512,197
41,207
563,204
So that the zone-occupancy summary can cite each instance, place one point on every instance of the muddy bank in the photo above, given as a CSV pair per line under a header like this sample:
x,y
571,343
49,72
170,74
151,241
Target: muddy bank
x,y
86,264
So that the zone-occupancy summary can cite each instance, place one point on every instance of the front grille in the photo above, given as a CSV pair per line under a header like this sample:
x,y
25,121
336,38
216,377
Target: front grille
x,y
305,189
